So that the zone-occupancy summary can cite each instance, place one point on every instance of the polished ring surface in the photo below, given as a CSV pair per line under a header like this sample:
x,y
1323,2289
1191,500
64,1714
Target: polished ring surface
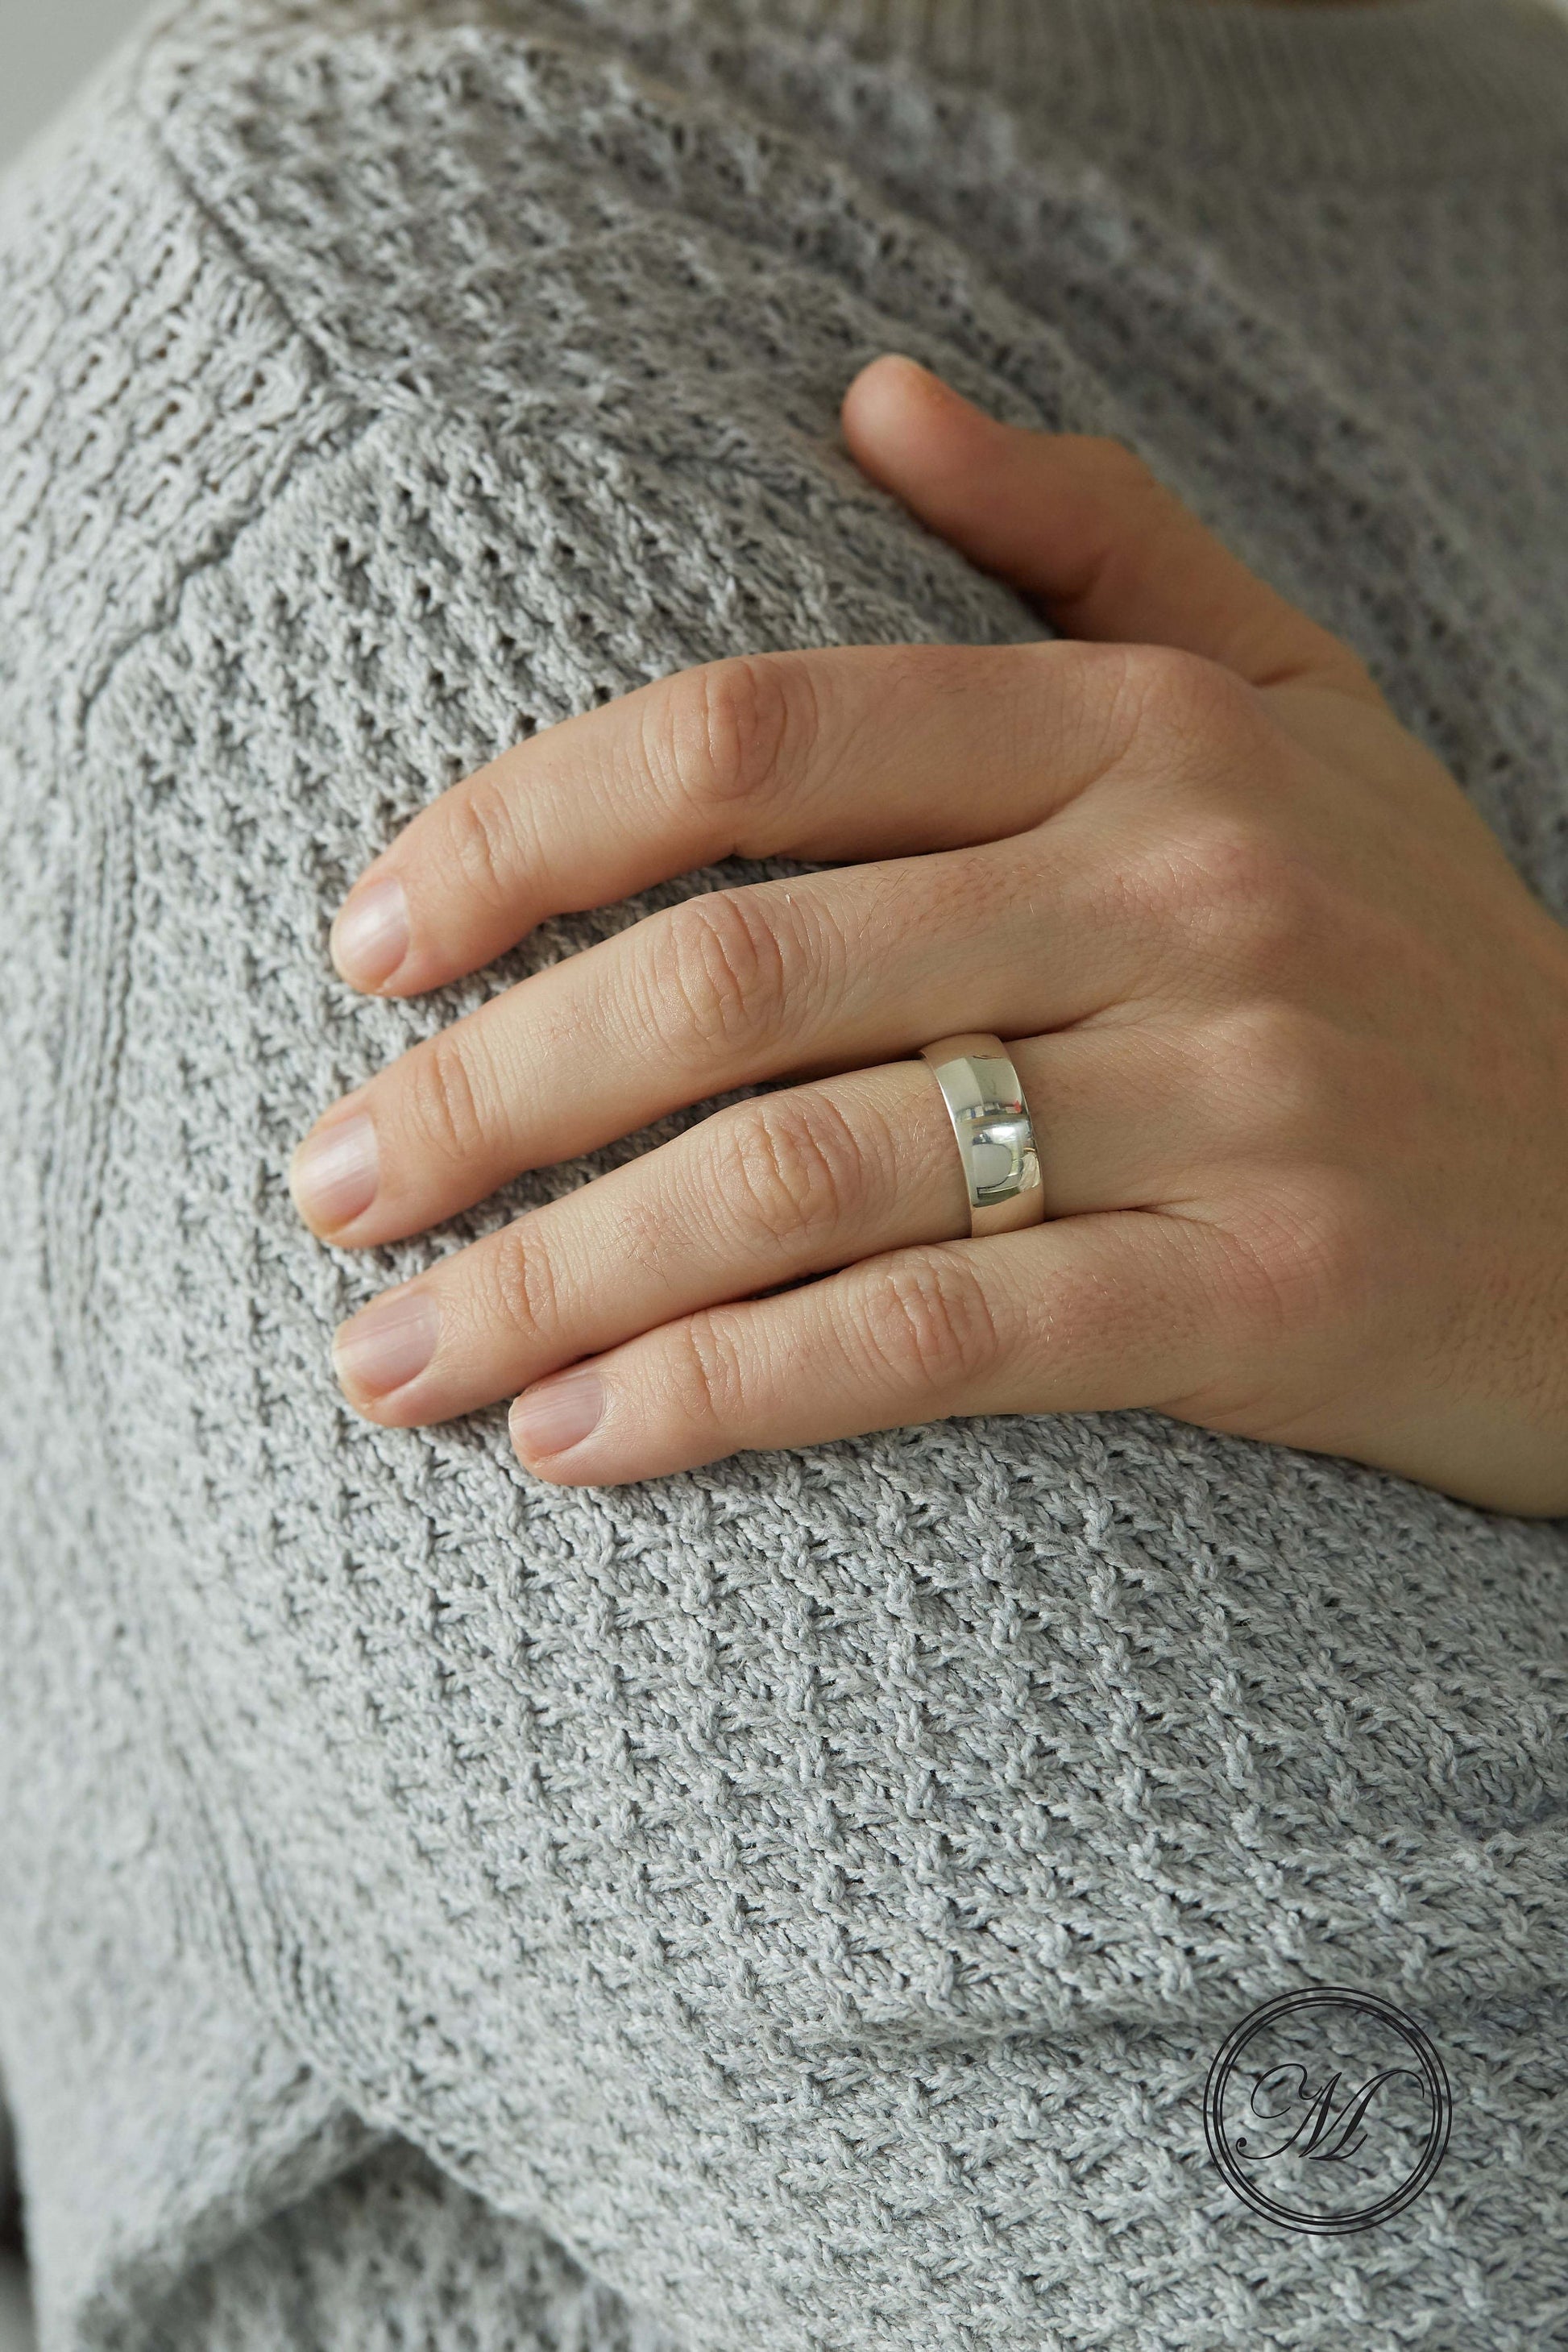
x,y
995,1134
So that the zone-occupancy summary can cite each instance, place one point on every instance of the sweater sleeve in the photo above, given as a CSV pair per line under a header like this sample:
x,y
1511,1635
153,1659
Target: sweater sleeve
x,y
814,1885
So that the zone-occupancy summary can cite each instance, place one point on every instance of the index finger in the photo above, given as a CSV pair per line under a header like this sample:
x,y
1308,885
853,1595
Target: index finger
x,y
848,752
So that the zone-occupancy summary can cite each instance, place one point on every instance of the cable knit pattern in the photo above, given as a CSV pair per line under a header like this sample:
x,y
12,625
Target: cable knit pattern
x,y
792,1905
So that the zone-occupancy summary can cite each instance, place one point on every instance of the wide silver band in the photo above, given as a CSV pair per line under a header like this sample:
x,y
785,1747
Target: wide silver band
x,y
995,1134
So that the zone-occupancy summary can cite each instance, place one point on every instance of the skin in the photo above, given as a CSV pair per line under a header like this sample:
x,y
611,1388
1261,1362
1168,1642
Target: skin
x,y
1294,1033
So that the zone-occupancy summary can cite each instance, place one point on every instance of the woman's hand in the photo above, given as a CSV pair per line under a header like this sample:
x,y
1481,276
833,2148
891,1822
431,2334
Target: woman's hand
x,y
1293,1033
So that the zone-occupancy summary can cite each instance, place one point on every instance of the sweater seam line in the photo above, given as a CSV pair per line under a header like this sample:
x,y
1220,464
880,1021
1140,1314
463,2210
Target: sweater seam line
x,y
358,420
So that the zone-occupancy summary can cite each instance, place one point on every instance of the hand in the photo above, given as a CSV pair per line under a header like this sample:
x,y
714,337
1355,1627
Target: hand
x,y
1293,1033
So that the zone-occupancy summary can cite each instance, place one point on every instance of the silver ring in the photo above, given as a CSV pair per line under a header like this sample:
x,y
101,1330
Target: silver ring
x,y
995,1134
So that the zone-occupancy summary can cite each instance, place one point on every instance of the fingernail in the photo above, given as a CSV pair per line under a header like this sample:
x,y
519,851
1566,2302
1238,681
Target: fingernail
x,y
559,1412
334,1173
389,1342
369,937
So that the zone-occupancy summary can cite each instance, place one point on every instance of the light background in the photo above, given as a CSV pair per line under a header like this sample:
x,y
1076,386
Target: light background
x,y
46,47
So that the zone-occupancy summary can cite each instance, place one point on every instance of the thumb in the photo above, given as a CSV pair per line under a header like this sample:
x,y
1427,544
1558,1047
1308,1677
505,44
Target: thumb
x,y
1081,524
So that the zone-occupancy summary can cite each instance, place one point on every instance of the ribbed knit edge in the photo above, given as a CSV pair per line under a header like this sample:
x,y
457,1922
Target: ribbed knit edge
x,y
1360,88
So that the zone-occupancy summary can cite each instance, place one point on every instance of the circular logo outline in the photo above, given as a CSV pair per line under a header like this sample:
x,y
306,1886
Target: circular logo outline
x,y
1440,2095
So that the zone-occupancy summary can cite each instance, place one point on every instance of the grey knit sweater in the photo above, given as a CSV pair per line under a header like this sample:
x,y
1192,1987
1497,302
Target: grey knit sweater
x,y
790,1907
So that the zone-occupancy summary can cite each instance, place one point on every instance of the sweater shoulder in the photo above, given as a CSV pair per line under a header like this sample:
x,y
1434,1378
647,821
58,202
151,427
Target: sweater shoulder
x,y
153,392
525,218
272,230
271,233
297,224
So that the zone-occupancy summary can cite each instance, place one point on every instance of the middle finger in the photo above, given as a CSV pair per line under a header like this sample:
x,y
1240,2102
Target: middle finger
x,y
761,1193
820,973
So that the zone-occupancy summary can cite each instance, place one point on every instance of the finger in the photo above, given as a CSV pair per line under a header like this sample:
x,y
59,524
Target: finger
x,y
760,1193
769,1191
1083,524
1086,1315
830,971
845,752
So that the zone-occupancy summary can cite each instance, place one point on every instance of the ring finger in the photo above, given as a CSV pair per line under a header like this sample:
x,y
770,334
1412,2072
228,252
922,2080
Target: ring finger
x,y
761,1193
828,973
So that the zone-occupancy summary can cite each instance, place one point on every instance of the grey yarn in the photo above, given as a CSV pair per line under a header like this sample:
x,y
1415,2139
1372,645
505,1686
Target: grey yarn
x,y
790,1907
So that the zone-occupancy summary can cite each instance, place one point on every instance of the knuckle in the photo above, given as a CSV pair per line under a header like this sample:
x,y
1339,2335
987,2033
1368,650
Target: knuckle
x,y
1263,905
522,1295
1229,882
482,836
788,1170
723,968
1306,1255
447,1100
1272,1059
1184,701
1103,670
1090,710
730,727
926,1315
702,1372
1122,468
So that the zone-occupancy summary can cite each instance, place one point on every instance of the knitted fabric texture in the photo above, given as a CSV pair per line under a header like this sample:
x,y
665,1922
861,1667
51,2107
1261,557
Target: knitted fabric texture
x,y
792,1905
